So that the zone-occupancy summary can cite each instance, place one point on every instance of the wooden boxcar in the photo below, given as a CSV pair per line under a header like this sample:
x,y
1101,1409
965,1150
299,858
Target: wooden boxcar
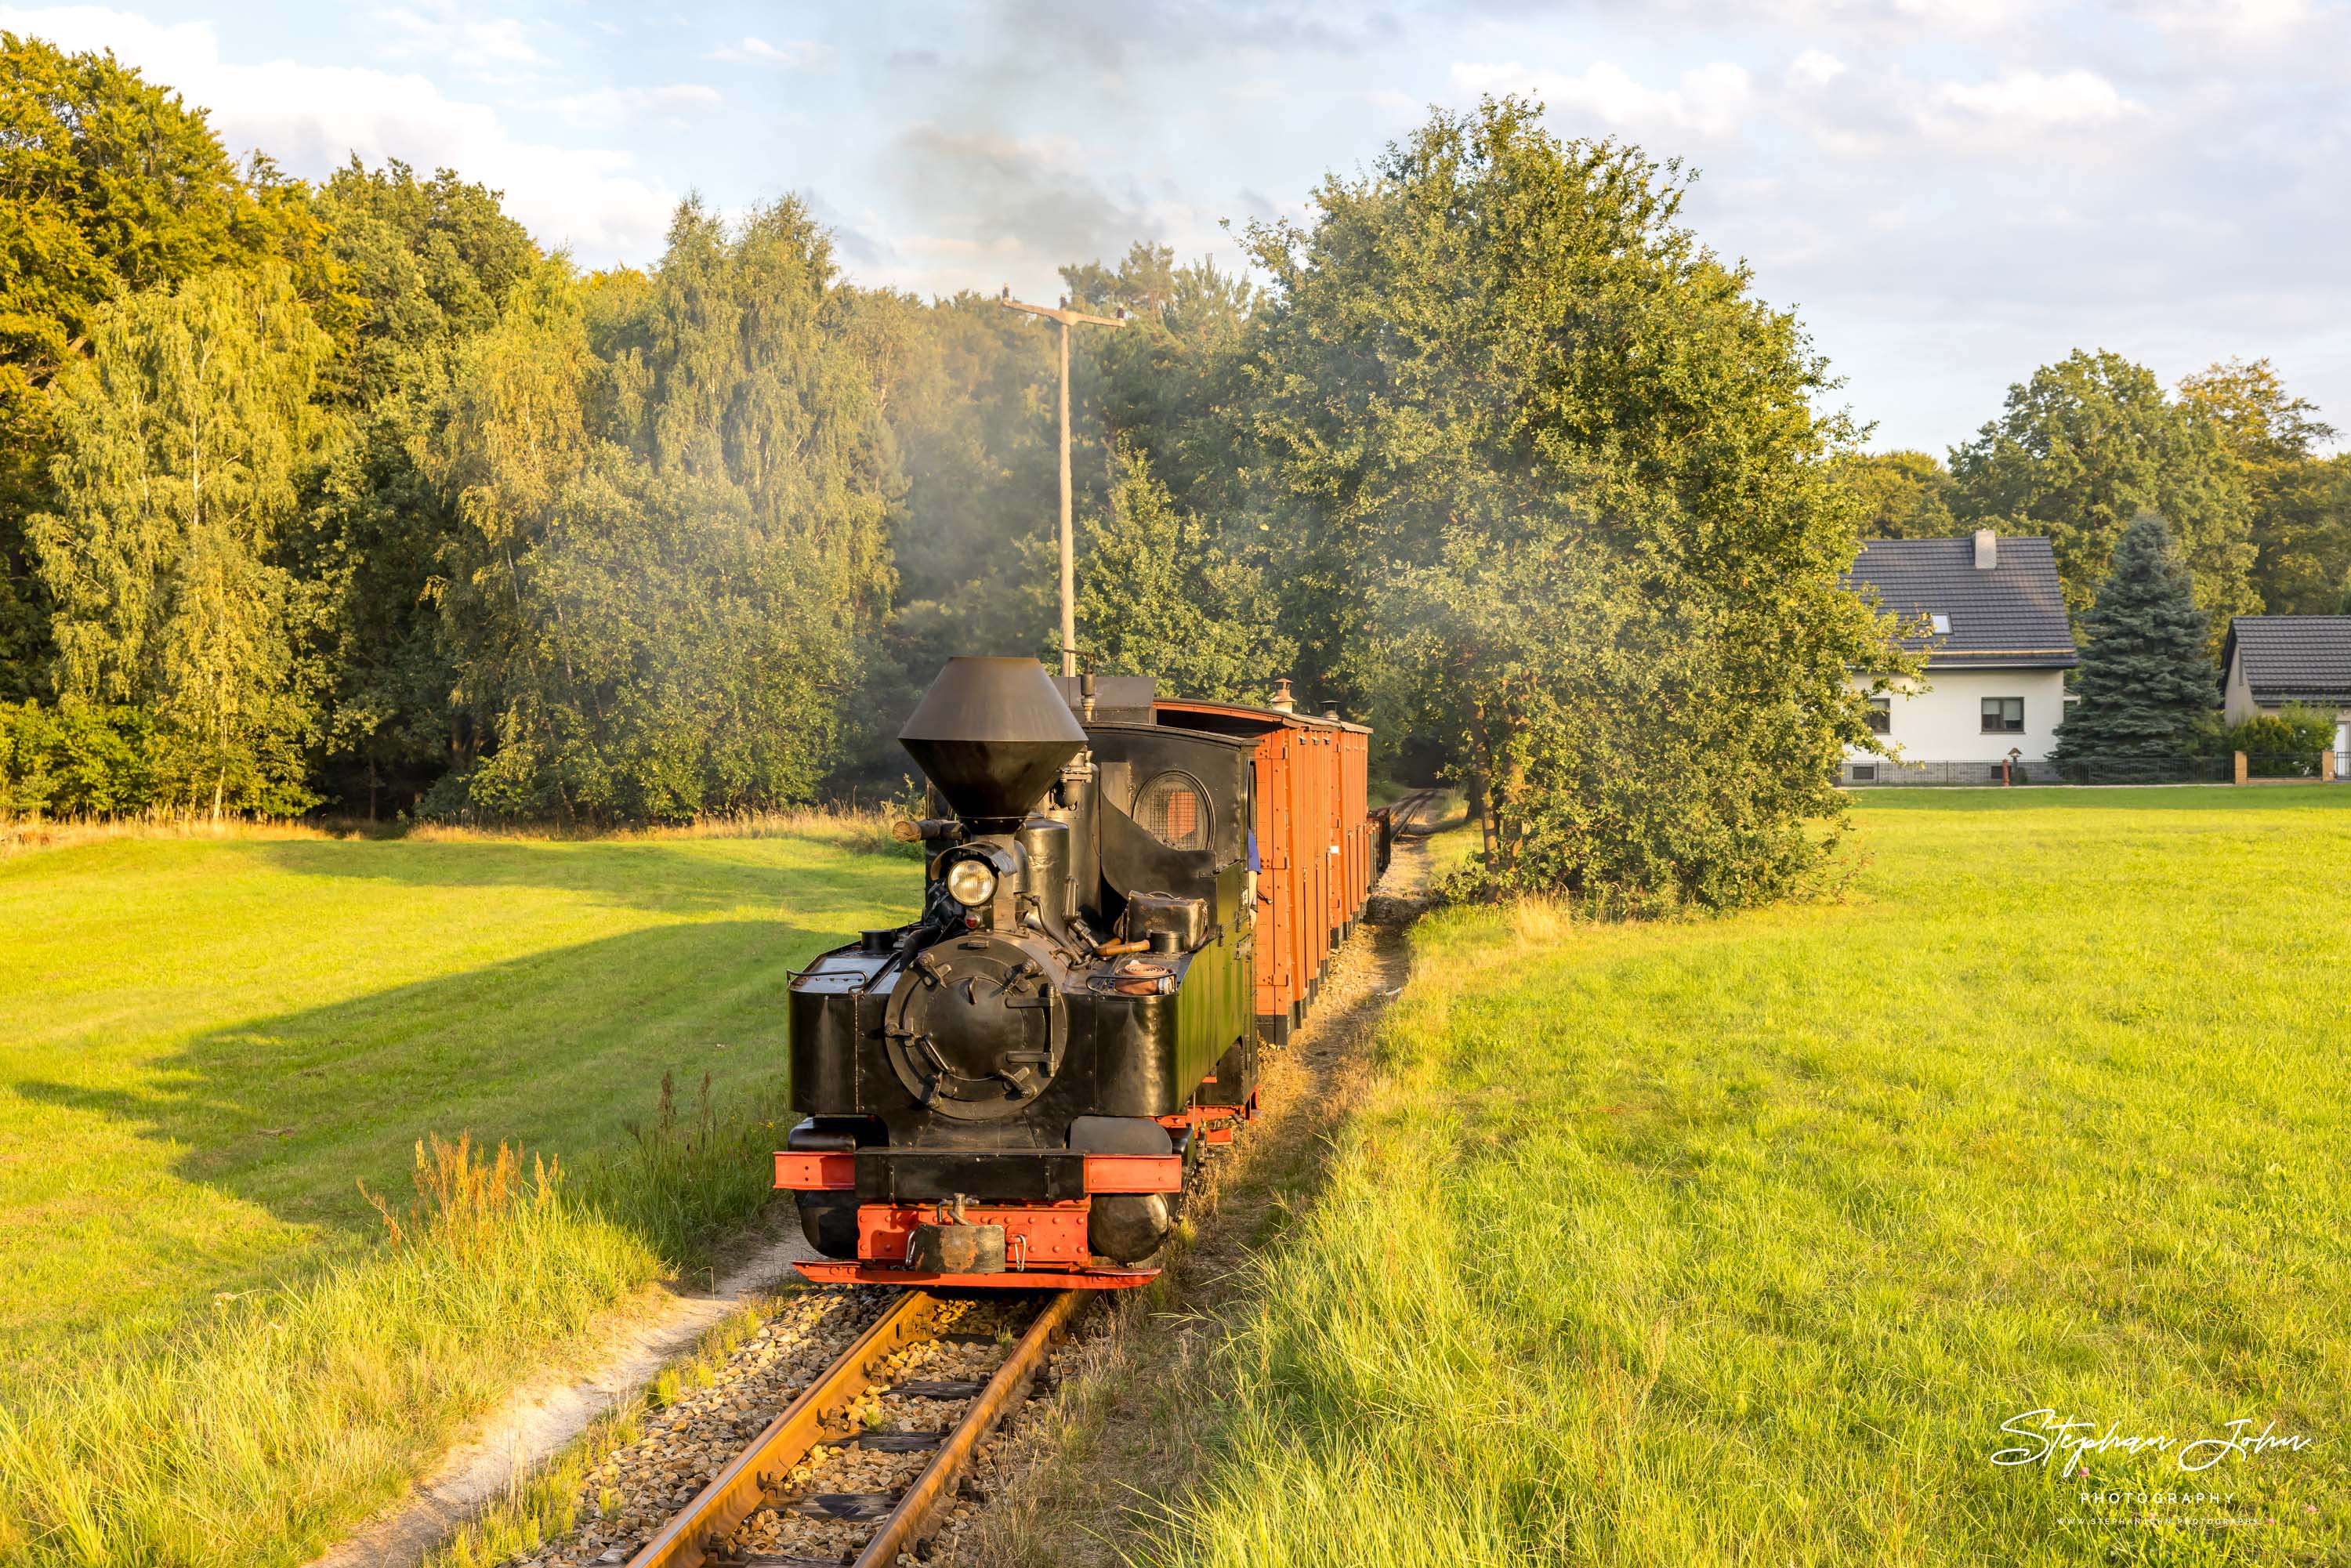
x,y
1318,845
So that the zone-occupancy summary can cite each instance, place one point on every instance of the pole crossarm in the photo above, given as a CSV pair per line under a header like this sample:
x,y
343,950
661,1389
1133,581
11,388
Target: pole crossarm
x,y
1065,315
1065,319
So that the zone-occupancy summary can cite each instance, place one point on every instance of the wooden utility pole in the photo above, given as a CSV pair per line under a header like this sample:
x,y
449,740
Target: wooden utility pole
x,y
1066,318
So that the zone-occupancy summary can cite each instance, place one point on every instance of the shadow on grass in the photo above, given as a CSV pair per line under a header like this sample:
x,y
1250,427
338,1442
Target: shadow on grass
x,y
698,876
559,1052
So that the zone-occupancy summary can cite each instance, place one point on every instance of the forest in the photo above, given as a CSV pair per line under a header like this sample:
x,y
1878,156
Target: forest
x,y
348,497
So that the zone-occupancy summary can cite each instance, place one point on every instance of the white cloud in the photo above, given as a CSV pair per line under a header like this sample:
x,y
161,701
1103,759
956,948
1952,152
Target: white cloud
x,y
2236,25
793,54
667,105
311,117
2020,106
1815,68
471,42
1709,100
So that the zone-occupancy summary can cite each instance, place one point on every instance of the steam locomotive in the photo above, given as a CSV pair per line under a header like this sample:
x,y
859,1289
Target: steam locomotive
x,y
1124,897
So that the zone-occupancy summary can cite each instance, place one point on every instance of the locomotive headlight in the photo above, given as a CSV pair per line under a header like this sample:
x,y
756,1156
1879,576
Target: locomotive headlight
x,y
970,883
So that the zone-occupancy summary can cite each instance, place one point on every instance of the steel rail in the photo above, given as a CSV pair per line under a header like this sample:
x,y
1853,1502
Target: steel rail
x,y
1404,810
694,1536
917,1513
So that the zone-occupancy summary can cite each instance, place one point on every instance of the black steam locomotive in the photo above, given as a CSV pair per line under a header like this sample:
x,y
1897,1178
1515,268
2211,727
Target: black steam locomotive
x,y
1011,1089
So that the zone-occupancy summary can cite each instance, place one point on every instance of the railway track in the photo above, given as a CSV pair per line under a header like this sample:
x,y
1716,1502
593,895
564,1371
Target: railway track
x,y
863,1466
1404,811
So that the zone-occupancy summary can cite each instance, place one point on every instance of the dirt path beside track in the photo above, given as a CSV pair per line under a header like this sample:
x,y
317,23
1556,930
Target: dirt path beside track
x,y
552,1409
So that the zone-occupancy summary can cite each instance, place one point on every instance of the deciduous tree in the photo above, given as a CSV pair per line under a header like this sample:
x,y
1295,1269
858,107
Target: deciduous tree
x,y
1563,486
109,184
674,553
183,439
1899,495
2083,448
2300,501
1159,596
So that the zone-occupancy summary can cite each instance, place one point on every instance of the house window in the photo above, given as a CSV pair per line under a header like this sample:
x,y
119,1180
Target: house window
x,y
1865,772
2003,716
1881,716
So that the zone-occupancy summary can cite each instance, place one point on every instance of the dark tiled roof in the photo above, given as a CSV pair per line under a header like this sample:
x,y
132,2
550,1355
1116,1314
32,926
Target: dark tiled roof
x,y
2012,614
2293,658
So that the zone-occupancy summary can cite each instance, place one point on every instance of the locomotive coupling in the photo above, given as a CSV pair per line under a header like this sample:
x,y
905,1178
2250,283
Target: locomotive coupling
x,y
948,1243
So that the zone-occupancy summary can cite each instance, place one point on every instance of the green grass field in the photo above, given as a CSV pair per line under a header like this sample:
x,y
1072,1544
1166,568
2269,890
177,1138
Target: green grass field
x,y
1738,1241
205,1045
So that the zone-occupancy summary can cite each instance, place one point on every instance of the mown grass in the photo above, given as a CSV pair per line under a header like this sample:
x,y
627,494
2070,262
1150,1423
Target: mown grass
x,y
207,1044
1738,1241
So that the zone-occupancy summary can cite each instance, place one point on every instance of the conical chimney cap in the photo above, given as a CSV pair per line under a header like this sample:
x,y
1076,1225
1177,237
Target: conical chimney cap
x,y
991,734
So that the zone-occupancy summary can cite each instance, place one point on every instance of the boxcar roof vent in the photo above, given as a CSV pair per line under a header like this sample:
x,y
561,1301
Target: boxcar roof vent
x,y
1282,701
991,734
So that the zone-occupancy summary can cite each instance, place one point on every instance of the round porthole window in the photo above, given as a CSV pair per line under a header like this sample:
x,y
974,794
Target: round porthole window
x,y
1173,808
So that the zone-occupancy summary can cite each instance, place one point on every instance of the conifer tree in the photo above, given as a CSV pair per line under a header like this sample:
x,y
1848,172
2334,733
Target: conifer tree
x,y
2146,681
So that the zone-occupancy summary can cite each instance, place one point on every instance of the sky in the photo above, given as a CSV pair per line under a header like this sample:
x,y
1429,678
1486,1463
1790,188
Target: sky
x,y
1947,194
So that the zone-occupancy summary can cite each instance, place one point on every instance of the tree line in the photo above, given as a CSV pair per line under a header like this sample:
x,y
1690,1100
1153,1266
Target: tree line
x,y
2230,458
348,496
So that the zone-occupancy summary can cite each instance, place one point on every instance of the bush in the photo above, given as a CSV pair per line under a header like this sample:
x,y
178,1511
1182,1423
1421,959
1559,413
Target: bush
x,y
2284,744
75,760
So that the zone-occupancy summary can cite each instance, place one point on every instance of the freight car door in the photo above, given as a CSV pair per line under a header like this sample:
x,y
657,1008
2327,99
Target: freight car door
x,y
1277,896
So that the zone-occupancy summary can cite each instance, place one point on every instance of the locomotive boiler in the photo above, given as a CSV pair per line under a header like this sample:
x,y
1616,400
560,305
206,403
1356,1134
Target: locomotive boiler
x,y
1123,897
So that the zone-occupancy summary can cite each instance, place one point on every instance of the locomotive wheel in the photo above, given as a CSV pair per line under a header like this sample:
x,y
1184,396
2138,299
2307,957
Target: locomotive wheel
x,y
828,1220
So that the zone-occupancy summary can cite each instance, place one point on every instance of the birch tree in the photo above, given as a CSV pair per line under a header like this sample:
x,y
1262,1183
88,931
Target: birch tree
x,y
183,440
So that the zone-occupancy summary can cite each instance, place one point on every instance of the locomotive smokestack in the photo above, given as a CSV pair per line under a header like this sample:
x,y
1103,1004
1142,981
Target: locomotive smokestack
x,y
991,734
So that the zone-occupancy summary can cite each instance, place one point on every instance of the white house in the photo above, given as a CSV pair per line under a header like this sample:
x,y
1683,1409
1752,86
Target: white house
x,y
2270,661
1998,645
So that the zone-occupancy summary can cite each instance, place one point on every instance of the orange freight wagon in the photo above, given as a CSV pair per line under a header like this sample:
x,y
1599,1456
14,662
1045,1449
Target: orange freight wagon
x,y
1316,844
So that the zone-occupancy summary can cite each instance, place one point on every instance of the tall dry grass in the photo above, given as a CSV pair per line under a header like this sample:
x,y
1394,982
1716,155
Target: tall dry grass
x,y
861,828
19,835
253,1438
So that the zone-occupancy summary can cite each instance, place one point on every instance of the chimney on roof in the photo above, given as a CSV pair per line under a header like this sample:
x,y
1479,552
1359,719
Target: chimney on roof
x,y
1987,549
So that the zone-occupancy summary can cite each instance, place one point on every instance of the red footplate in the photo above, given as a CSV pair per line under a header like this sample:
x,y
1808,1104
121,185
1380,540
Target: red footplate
x,y
1033,1237
830,1272
1044,1243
